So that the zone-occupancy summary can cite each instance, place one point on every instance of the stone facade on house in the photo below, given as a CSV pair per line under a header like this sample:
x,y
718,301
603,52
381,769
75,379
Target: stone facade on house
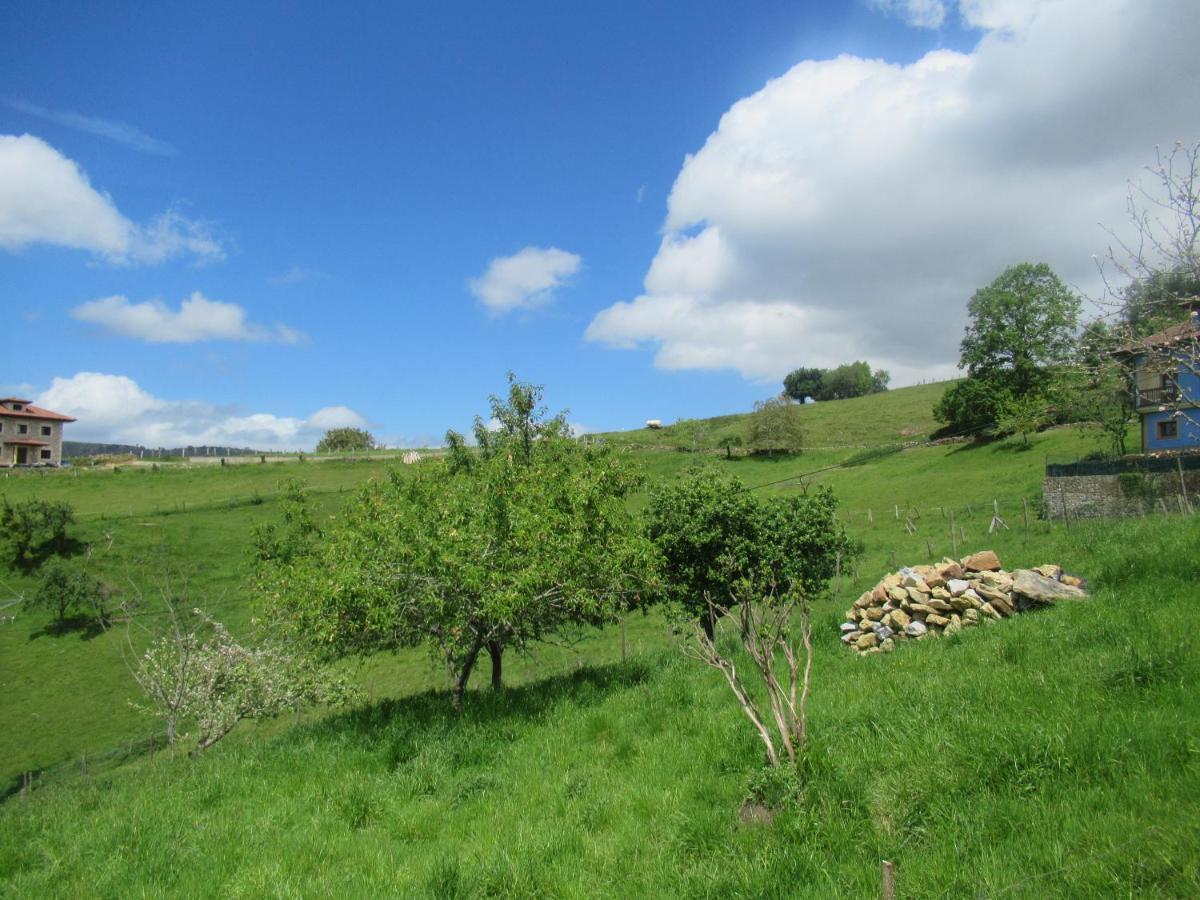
x,y
30,435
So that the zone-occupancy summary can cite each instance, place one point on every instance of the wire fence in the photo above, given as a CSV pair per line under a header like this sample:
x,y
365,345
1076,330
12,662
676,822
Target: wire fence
x,y
86,765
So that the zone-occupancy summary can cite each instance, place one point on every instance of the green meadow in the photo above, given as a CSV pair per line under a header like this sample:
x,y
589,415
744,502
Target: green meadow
x,y
1056,754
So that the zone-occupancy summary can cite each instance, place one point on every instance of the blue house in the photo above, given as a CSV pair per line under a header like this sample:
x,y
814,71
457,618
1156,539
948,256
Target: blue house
x,y
1166,369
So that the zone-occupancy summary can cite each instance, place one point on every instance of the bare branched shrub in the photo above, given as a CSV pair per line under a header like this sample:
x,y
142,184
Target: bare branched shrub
x,y
780,651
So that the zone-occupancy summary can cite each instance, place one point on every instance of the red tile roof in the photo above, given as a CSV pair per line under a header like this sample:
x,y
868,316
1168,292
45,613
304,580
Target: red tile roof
x,y
30,411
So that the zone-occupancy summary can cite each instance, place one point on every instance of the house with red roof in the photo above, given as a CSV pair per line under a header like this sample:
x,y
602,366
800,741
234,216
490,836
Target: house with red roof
x,y
30,435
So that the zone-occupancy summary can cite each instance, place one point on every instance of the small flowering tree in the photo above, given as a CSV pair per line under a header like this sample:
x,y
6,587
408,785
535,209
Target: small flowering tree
x,y
211,682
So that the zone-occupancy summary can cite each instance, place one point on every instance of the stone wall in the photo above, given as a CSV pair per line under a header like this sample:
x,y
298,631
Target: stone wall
x,y
1116,496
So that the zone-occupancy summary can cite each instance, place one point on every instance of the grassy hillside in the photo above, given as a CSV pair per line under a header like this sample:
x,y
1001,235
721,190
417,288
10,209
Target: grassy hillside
x,y
1054,755
905,414
198,541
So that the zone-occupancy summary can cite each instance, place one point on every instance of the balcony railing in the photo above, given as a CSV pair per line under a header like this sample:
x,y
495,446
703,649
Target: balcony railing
x,y
1159,396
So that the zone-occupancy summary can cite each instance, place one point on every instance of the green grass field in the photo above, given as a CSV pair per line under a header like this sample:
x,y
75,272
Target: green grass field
x,y
1056,754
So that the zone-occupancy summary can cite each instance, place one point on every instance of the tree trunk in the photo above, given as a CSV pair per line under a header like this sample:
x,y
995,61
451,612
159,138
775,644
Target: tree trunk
x,y
708,621
464,671
496,651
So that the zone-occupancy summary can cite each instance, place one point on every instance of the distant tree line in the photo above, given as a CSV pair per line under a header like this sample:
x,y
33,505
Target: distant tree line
x,y
848,380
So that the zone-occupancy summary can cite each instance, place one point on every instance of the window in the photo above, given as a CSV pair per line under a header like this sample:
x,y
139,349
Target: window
x,y
45,454
1169,388
22,429
17,407
45,431
1167,429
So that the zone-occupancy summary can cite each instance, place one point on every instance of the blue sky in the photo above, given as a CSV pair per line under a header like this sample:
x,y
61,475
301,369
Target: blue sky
x,y
241,225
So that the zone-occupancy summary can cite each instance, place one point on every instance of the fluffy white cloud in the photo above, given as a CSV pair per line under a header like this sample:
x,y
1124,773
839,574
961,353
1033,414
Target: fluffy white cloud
x,y
336,417
525,280
47,198
114,409
197,319
850,207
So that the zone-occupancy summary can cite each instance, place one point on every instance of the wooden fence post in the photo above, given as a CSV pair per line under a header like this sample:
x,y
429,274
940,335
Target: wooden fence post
x,y
887,881
1025,513
1183,486
953,537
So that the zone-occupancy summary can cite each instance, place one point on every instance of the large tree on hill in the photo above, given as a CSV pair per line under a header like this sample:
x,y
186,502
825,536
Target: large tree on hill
x,y
803,383
848,380
487,550
1020,327
774,426
346,440
1021,334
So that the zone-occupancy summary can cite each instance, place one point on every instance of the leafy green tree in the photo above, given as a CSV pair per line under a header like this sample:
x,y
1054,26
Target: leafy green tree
x,y
704,525
775,426
346,440
66,589
1021,327
1024,416
35,530
972,406
295,535
488,550
714,535
803,383
849,380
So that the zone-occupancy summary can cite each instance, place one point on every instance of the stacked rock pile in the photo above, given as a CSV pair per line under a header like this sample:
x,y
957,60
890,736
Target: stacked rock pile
x,y
920,602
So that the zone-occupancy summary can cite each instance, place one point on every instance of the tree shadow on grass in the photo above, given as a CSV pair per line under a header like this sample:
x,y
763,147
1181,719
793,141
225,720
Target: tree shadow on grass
x,y
66,548
978,444
85,626
433,711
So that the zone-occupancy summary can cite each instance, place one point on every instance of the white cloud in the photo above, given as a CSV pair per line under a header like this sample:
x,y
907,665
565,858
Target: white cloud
x,y
119,132
850,208
46,198
525,280
115,409
336,417
197,319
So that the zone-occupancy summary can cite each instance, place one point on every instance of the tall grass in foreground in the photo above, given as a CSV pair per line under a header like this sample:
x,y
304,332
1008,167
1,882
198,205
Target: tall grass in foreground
x,y
1054,755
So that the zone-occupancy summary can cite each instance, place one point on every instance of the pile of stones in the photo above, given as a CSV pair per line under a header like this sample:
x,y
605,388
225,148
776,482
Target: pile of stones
x,y
920,602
